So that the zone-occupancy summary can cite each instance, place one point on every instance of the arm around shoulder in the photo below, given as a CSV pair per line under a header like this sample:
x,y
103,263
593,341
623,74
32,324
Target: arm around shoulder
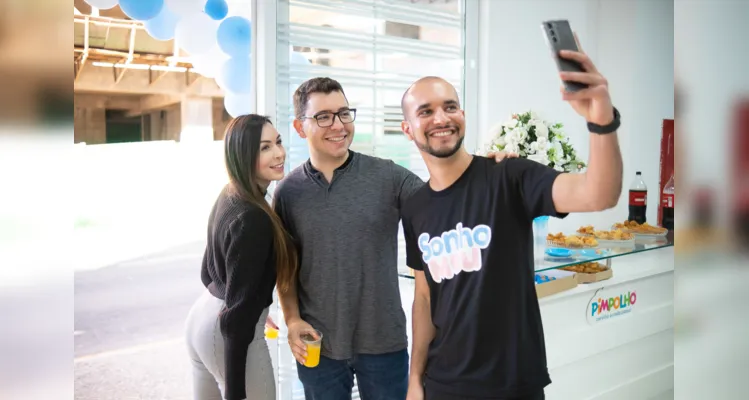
x,y
406,184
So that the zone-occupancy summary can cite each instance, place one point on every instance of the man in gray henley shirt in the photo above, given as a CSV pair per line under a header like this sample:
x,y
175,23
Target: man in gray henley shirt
x,y
343,209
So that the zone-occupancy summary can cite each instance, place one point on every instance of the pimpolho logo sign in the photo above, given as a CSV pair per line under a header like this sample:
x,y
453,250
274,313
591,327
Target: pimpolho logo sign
x,y
603,306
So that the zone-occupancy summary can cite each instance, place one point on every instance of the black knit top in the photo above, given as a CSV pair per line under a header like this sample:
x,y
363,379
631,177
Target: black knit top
x,y
239,268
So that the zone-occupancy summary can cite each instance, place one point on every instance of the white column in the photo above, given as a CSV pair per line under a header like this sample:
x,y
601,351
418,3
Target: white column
x,y
471,75
265,54
265,17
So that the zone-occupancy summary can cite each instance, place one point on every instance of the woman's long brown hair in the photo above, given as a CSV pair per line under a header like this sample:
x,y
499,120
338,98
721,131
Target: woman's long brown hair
x,y
241,148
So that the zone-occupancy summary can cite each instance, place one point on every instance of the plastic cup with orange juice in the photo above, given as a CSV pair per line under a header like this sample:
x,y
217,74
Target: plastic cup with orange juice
x,y
313,341
271,333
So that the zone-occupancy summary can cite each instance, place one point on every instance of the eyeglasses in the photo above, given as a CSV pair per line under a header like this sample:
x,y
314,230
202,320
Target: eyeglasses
x,y
326,119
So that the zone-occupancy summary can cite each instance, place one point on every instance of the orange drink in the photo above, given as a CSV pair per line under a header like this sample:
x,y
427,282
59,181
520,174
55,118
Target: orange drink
x,y
271,333
313,348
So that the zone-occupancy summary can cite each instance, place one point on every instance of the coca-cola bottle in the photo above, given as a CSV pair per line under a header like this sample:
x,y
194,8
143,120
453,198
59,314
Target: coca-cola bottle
x,y
638,199
667,200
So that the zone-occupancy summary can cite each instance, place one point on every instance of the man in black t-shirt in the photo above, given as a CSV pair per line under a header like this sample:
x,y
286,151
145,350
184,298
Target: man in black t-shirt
x,y
477,330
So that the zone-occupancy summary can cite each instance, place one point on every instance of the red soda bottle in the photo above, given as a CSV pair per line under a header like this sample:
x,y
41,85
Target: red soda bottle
x,y
667,200
638,199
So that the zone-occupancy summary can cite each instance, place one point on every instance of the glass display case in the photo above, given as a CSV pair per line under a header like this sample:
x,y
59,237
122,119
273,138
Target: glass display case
x,y
289,387
603,253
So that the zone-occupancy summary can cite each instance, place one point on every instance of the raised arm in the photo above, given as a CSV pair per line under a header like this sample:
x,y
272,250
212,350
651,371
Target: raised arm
x,y
600,186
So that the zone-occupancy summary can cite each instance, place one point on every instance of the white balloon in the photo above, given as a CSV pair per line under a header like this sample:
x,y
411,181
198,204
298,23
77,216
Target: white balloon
x,y
209,64
196,33
237,104
185,7
219,77
103,4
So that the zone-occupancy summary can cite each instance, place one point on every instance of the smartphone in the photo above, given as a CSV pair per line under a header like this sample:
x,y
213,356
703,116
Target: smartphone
x,y
559,36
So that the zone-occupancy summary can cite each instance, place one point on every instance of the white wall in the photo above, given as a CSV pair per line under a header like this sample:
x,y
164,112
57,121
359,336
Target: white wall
x,y
132,199
631,43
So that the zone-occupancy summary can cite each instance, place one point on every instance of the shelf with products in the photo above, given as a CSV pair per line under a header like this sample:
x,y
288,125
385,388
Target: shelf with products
x,y
603,252
562,258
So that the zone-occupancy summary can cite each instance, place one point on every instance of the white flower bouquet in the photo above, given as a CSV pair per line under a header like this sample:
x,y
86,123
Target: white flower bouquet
x,y
531,137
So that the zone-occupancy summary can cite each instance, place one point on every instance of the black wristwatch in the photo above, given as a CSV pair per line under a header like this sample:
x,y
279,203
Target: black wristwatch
x,y
604,129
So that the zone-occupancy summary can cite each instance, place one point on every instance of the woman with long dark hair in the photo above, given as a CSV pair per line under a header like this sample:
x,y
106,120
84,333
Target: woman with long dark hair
x,y
248,253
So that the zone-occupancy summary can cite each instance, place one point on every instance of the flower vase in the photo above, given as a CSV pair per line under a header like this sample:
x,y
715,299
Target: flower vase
x,y
540,231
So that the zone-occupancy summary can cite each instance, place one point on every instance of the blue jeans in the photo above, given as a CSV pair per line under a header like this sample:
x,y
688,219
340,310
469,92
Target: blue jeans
x,y
379,377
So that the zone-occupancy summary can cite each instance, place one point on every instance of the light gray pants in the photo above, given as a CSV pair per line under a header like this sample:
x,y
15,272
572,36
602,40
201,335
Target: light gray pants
x,y
205,345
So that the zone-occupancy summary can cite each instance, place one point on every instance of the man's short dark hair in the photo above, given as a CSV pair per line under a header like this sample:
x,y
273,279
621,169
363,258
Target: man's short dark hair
x,y
315,85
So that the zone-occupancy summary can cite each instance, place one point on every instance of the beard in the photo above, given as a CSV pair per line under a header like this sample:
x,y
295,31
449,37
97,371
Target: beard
x,y
444,153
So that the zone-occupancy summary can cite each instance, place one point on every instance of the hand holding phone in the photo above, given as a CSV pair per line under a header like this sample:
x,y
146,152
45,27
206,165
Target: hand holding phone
x,y
584,88
559,36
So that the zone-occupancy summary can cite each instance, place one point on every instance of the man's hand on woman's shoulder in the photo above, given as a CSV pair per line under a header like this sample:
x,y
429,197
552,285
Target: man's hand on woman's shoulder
x,y
500,155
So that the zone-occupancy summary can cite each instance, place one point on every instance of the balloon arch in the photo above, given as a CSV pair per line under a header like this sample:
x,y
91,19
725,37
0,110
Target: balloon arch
x,y
219,45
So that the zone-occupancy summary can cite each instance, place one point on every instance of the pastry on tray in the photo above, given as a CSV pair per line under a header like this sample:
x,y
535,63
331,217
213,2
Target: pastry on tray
x,y
645,228
586,230
586,268
616,234
574,242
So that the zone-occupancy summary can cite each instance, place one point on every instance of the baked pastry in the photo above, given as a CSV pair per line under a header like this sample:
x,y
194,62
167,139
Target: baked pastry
x,y
575,242
616,234
645,228
586,268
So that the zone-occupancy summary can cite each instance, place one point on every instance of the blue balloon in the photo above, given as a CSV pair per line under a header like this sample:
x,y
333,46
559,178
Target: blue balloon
x,y
141,10
235,75
234,36
216,9
162,26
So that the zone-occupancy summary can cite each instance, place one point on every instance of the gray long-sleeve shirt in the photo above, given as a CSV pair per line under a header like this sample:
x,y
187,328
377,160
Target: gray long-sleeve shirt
x,y
347,232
